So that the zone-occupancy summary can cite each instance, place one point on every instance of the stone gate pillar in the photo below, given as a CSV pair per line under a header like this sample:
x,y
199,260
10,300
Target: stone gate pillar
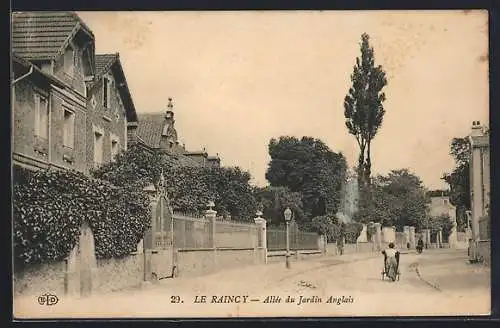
x,y
149,240
440,238
363,237
211,216
378,236
406,231
261,236
412,237
452,237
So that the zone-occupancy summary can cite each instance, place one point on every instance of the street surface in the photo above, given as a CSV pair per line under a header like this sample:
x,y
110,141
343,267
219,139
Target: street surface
x,y
438,282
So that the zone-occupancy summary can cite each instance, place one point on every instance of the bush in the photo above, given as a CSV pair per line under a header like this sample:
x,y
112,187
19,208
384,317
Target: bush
x,y
352,231
49,208
327,226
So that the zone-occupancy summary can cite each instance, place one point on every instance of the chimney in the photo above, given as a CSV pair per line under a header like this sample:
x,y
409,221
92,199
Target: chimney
x,y
131,132
477,129
169,114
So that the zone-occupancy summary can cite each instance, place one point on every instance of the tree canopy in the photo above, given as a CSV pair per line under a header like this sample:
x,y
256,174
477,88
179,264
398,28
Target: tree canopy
x,y
363,105
459,179
398,199
274,201
309,167
189,188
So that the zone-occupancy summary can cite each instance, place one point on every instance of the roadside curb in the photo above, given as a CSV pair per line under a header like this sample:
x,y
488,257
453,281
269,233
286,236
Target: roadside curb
x,y
419,275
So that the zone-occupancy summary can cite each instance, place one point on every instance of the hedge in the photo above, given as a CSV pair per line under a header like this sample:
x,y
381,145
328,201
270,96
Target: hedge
x,y
49,208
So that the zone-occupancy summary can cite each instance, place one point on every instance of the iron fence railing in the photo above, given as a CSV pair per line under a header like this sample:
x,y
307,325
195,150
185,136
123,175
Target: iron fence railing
x,y
299,240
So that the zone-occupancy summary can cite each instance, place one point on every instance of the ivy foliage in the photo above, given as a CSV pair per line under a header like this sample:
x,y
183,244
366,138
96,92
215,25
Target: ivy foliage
x,y
49,208
189,188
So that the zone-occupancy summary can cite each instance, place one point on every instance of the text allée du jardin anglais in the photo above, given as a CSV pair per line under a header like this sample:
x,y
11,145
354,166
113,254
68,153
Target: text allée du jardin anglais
x,y
271,299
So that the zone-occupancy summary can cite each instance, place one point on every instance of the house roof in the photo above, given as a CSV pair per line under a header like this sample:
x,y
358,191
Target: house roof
x,y
149,131
196,153
19,62
43,35
150,127
103,62
111,62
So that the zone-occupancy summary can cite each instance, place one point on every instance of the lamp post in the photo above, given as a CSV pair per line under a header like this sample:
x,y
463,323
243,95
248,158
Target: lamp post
x,y
288,216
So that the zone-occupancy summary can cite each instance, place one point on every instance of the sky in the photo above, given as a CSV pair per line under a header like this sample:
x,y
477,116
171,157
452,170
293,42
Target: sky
x,y
239,79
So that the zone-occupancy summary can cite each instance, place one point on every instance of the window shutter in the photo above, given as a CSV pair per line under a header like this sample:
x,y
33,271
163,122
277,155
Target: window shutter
x,y
104,91
37,115
57,105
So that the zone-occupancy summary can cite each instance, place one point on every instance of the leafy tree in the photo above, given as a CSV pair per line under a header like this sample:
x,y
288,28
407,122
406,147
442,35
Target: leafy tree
x,y
459,179
351,231
325,225
232,191
434,224
309,167
189,188
437,193
363,107
398,199
275,200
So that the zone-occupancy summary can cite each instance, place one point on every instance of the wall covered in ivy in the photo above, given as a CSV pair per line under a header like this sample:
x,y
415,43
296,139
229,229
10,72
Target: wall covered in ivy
x,y
50,206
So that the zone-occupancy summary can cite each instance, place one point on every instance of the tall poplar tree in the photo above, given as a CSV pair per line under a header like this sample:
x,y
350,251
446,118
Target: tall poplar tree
x,y
363,107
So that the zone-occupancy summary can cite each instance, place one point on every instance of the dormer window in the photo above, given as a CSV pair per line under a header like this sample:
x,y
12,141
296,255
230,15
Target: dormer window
x,y
69,61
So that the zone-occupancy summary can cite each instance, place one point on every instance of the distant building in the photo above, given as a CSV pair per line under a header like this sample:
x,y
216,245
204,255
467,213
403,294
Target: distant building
x,y
480,181
156,132
58,120
439,206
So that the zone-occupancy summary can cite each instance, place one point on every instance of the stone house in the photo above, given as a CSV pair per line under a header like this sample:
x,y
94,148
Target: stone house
x,y
156,132
480,189
110,109
480,181
440,205
54,67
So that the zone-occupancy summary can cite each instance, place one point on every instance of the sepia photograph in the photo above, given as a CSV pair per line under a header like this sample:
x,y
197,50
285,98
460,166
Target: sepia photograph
x,y
250,164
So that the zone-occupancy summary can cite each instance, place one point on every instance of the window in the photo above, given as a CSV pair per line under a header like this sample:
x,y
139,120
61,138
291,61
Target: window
x,y
98,147
115,148
69,128
41,117
106,92
69,61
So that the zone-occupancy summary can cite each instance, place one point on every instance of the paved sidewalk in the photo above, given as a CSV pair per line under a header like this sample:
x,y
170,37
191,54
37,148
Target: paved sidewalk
x,y
450,272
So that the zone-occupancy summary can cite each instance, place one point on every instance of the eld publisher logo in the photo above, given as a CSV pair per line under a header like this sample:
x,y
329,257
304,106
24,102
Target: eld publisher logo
x,y
48,299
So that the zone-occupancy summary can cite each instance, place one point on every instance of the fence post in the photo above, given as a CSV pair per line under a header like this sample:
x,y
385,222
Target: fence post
x,y
211,215
378,236
412,237
262,235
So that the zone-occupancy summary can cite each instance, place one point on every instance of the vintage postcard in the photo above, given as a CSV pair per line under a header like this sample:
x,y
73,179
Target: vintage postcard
x,y
250,164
